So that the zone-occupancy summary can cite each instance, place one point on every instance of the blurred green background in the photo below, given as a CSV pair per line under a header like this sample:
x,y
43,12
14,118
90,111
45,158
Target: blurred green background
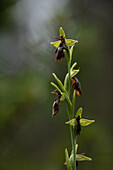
x,y
30,139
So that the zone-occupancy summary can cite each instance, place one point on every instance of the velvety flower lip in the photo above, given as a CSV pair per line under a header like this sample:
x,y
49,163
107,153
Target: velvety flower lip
x,y
55,107
76,85
78,129
59,51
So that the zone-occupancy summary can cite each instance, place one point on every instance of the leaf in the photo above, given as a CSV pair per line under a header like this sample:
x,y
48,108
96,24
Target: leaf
x,y
62,33
74,72
70,42
56,43
67,160
80,157
86,122
79,112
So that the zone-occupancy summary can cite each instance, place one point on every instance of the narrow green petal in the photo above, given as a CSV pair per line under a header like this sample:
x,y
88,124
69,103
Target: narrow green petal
x,y
74,72
70,42
62,33
59,83
54,85
79,112
56,43
86,122
80,157
73,66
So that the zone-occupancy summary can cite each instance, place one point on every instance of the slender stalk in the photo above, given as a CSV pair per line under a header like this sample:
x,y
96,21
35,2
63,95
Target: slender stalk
x,y
71,114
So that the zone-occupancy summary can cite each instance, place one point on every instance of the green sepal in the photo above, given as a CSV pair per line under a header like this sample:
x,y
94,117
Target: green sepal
x,y
54,85
67,163
86,122
56,43
72,122
62,33
70,42
72,67
74,72
79,112
59,83
80,157
83,122
66,82
62,94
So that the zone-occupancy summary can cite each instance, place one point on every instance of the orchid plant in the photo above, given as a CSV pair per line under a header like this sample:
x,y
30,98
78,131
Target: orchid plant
x,y
64,49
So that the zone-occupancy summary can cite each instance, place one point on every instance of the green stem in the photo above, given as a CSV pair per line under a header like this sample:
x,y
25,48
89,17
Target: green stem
x,y
71,114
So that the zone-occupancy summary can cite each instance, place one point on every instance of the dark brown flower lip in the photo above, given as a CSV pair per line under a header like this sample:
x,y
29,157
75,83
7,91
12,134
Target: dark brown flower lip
x,y
78,129
78,126
55,107
59,51
56,92
76,85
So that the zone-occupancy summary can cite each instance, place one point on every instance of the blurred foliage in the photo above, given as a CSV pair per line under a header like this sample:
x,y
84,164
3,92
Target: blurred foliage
x,y
29,138
5,16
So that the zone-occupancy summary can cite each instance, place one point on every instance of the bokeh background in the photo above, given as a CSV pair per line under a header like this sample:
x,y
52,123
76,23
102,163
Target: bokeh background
x,y
30,139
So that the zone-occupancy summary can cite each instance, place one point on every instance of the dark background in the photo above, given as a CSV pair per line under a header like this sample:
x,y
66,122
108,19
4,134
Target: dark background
x,y
30,139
